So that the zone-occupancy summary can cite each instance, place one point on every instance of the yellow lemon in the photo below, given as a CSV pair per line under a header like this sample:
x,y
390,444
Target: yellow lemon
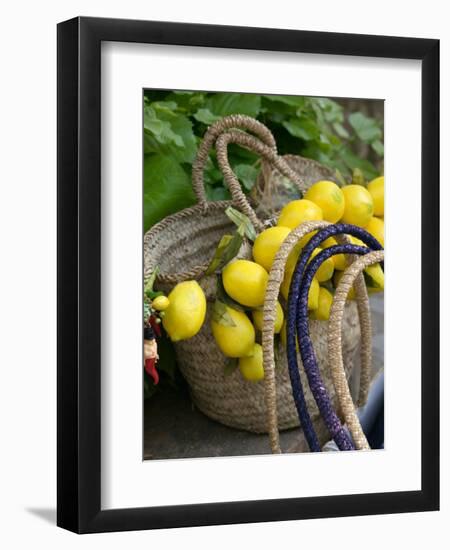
x,y
160,303
376,228
376,189
322,313
339,260
252,367
296,212
186,312
236,340
358,205
283,337
288,272
257,315
329,197
356,241
313,295
245,282
374,277
325,271
337,277
267,244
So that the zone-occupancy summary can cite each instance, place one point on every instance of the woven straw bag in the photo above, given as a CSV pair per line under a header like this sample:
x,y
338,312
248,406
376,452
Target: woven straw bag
x,y
188,240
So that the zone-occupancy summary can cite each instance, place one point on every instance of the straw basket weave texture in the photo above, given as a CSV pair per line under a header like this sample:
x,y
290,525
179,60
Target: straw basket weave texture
x,y
183,244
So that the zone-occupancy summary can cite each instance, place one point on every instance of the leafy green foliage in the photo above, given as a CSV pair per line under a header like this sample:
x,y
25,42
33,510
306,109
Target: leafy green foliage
x,y
167,188
368,131
175,122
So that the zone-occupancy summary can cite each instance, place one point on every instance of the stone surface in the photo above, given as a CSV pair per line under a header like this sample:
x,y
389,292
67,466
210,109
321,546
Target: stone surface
x,y
174,428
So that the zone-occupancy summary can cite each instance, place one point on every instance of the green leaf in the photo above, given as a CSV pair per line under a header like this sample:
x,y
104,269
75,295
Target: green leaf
x,y
167,188
227,249
217,194
161,130
291,100
303,128
188,102
168,132
230,366
340,130
365,127
220,314
148,288
215,262
212,174
332,111
247,175
223,104
205,116
242,221
354,161
378,147
153,294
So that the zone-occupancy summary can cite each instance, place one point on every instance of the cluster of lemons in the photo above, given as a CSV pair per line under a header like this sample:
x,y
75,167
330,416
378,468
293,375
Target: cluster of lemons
x,y
245,281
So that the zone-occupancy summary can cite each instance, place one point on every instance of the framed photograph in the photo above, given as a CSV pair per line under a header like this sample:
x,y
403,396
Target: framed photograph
x,y
224,327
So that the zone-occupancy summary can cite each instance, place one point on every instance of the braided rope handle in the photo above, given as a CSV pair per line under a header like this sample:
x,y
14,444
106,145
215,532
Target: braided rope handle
x,y
209,139
198,167
276,276
365,323
298,321
335,360
269,154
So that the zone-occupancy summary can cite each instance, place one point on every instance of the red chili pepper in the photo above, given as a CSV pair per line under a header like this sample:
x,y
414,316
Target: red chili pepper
x,y
150,369
155,326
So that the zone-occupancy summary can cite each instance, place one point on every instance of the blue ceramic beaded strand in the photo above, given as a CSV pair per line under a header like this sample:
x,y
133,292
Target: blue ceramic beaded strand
x,y
316,382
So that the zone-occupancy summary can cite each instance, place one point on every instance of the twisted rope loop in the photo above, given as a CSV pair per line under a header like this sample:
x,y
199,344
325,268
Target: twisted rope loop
x,y
335,344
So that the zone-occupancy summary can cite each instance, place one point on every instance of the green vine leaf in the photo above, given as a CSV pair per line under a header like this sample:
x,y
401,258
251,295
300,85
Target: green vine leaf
x,y
245,226
148,287
220,314
227,249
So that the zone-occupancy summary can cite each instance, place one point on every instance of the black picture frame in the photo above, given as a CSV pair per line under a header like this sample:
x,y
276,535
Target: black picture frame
x,y
79,281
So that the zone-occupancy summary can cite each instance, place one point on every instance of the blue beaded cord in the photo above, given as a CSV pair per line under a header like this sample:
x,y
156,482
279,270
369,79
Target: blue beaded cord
x,y
292,322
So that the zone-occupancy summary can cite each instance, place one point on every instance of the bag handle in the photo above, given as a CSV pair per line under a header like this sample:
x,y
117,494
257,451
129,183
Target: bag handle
x,y
198,167
269,155
335,361
209,139
276,276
